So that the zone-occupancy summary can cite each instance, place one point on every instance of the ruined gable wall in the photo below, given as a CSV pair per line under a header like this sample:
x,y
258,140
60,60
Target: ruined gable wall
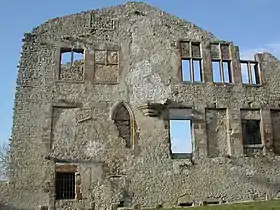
x,y
72,119
27,152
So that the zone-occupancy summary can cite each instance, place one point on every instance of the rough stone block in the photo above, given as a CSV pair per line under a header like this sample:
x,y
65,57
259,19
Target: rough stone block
x,y
216,129
113,57
100,56
106,73
185,200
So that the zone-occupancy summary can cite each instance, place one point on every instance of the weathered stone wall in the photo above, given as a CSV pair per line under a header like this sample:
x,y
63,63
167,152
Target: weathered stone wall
x,y
74,72
131,55
275,117
216,126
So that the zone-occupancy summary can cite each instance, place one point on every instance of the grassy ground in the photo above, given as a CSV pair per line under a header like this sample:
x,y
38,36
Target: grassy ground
x,y
264,205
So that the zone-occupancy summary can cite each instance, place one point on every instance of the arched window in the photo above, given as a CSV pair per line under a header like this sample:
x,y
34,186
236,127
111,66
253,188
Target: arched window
x,y
123,119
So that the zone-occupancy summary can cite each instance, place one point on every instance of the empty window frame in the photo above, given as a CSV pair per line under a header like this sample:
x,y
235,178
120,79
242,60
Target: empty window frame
x,y
221,63
191,61
71,66
65,185
70,56
180,133
251,133
250,72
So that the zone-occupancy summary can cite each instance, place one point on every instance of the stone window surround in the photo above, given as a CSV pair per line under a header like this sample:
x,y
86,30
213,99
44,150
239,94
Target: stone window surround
x,y
70,168
222,60
275,143
60,49
241,116
245,113
253,114
106,62
191,60
107,48
175,115
89,63
203,59
248,62
206,67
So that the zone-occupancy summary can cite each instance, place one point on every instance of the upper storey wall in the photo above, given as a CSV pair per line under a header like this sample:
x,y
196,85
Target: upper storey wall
x,y
144,39
98,23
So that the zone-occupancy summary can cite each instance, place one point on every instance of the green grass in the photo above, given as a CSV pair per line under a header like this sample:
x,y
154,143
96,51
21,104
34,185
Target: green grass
x,y
262,205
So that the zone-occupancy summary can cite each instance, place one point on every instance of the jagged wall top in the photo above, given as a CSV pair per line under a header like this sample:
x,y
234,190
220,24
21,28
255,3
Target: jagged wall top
x,y
121,12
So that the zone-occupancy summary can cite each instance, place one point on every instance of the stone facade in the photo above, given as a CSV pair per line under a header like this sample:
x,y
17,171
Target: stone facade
x,y
105,116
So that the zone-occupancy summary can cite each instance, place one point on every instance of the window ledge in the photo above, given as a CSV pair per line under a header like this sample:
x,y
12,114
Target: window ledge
x,y
253,146
222,84
70,81
251,85
66,200
181,156
105,83
193,83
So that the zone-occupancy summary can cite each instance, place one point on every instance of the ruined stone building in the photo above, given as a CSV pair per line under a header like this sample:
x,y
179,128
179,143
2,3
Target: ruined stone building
x,y
97,93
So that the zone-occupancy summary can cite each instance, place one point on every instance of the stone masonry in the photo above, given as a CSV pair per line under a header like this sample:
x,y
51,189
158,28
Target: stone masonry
x,y
101,118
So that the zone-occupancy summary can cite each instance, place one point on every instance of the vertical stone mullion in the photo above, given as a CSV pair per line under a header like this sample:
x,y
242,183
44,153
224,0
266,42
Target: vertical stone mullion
x,y
199,134
57,63
266,131
235,144
235,64
206,64
89,66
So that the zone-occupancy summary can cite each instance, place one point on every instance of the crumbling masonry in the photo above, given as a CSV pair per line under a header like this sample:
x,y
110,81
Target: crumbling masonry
x,y
96,92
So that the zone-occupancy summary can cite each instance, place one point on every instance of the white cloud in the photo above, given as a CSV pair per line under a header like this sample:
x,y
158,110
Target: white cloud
x,y
274,49
248,54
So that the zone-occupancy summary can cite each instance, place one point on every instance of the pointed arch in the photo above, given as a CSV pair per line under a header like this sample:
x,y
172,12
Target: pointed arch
x,y
124,120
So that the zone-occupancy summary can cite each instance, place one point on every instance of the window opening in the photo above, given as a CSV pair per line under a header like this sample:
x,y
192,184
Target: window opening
x,y
124,124
226,71
180,136
191,62
244,73
186,70
66,57
216,71
70,56
197,70
211,202
251,132
255,73
65,185
186,204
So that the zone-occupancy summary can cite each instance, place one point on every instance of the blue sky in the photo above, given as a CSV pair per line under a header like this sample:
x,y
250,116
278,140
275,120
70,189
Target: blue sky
x,y
251,24
180,135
